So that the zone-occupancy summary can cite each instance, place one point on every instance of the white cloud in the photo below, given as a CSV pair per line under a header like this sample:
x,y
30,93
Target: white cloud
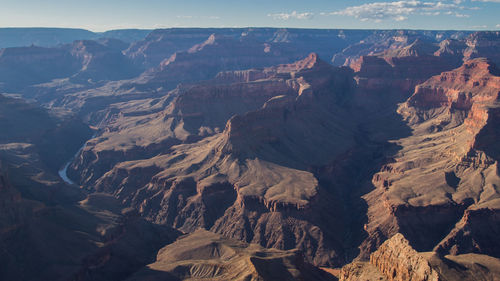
x,y
400,10
292,15
493,1
498,25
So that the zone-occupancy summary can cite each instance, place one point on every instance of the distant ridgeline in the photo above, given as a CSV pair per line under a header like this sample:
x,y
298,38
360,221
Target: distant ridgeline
x,y
49,37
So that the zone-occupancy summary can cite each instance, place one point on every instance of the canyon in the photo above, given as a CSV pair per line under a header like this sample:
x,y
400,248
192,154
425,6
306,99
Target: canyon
x,y
251,154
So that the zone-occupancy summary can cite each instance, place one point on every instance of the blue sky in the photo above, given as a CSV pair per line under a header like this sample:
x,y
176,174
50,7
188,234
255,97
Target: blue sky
x,y
101,15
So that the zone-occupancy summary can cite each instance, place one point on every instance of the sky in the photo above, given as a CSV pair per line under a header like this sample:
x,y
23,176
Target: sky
x,y
102,15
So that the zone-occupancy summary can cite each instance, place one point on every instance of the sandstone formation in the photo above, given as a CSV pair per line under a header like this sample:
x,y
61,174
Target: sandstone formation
x,y
397,260
450,115
483,44
204,255
401,69
265,195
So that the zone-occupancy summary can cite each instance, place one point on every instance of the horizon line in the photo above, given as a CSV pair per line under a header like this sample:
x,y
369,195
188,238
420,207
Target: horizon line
x,y
237,27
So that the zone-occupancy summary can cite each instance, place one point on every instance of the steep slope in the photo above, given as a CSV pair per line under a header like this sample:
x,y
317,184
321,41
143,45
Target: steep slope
x,y
263,184
56,136
204,255
217,53
52,231
102,61
401,69
24,66
450,154
397,260
186,114
223,51
483,44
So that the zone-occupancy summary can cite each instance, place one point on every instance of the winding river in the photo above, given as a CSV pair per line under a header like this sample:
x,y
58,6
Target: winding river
x,y
63,172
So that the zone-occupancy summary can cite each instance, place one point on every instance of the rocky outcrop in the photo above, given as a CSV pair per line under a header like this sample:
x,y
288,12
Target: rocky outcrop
x,y
451,48
101,61
448,114
397,260
473,83
394,260
401,69
476,232
359,270
483,44
266,195
205,255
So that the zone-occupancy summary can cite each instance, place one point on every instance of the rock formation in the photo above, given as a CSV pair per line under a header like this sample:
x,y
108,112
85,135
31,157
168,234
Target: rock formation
x,y
449,114
52,231
483,44
401,69
264,193
382,40
101,61
24,66
205,255
397,260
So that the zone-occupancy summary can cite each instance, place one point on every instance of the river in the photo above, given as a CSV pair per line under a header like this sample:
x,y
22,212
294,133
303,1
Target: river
x,y
63,172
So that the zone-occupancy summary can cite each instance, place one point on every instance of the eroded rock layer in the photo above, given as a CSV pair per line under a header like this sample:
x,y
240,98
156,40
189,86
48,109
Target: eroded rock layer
x,y
242,182
397,260
204,255
443,171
